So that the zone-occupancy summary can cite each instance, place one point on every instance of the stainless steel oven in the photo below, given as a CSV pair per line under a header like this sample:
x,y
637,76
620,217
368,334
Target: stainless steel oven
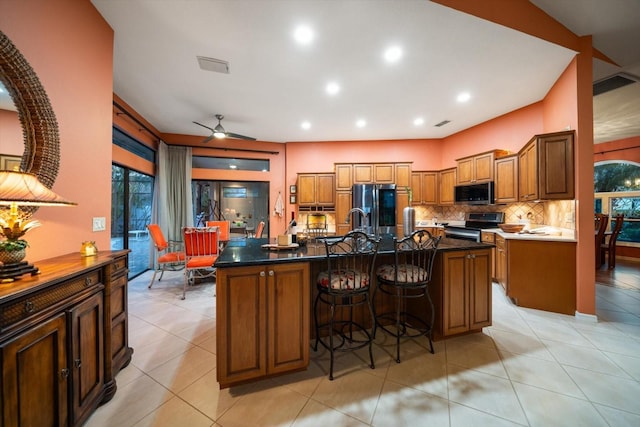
x,y
474,223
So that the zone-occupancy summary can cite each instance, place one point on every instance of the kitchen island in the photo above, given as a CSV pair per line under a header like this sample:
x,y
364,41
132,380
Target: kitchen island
x,y
264,302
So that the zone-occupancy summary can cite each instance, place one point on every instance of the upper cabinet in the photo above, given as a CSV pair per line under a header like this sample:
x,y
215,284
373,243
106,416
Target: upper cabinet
x,y
546,167
477,168
506,179
344,176
424,186
316,189
447,184
402,175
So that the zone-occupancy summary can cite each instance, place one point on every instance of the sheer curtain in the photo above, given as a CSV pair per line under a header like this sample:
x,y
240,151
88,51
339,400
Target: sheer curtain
x,y
172,202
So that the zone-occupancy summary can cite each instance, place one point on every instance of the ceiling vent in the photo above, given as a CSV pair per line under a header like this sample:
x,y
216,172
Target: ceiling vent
x,y
212,64
442,123
613,82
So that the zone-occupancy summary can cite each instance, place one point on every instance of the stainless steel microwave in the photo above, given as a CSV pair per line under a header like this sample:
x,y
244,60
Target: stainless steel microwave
x,y
475,194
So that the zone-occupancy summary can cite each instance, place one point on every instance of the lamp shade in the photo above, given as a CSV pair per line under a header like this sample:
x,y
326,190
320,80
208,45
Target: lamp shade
x,y
24,189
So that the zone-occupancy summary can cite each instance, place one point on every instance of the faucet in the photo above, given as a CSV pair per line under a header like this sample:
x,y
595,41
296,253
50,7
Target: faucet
x,y
365,224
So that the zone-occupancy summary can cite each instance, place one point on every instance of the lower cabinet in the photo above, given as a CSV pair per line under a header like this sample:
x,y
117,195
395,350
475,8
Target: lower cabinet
x,y
466,290
262,321
502,274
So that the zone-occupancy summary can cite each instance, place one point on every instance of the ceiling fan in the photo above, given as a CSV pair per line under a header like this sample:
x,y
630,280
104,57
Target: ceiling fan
x,y
219,133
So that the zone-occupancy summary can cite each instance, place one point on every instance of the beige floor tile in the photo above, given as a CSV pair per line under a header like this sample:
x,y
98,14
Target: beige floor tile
x,y
486,393
520,344
425,372
316,414
355,394
198,332
130,404
181,371
304,382
128,375
155,354
175,412
630,364
463,416
559,332
541,373
585,358
616,417
209,344
545,408
614,343
404,406
607,390
271,406
145,334
480,357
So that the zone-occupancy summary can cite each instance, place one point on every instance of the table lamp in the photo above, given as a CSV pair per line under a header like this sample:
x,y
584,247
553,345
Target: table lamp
x,y
20,189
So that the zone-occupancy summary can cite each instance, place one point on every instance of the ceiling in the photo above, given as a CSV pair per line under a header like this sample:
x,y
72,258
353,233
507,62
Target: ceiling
x,y
274,84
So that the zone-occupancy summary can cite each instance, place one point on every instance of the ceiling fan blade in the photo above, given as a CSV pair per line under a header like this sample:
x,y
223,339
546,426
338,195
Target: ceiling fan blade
x,y
207,139
204,126
237,136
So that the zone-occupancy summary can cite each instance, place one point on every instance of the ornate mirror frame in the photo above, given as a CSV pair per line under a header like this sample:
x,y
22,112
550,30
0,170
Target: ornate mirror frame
x,y
39,125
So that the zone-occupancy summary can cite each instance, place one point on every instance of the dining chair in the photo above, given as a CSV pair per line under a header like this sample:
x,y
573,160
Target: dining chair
x,y
608,246
343,285
168,254
224,231
259,230
601,222
408,279
201,252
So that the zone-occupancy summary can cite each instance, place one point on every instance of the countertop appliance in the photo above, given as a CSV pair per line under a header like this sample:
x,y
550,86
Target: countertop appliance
x,y
373,208
474,223
475,194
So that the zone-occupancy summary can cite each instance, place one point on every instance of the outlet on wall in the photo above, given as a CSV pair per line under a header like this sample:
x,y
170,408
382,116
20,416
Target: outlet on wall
x,y
99,223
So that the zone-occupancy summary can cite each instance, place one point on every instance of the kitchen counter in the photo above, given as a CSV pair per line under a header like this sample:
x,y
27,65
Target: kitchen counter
x,y
550,236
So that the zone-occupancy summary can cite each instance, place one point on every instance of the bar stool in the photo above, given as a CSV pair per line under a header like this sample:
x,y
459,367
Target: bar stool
x,y
345,284
408,278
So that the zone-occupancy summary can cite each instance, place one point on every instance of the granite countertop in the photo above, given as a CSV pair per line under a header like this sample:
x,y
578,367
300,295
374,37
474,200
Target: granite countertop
x,y
550,234
246,252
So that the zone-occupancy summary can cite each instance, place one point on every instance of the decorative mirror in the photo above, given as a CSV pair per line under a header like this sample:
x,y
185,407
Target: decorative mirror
x,y
41,155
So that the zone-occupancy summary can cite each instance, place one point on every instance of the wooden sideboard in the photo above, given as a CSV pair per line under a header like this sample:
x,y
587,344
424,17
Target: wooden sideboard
x,y
63,339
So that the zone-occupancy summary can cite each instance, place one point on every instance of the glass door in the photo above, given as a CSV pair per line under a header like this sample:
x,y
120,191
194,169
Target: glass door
x,y
131,198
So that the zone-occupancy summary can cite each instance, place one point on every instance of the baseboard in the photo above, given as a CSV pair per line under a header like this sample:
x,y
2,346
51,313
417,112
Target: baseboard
x,y
591,318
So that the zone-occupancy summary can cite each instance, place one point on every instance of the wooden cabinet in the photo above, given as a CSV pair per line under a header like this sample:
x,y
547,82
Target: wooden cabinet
x,y
55,340
424,186
502,273
316,189
262,321
402,201
490,237
402,173
343,205
363,173
477,168
466,290
344,176
506,179
546,167
447,180
435,231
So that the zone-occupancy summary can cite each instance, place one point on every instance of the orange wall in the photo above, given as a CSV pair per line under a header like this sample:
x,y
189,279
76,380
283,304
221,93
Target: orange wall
x,y
70,47
621,149
11,139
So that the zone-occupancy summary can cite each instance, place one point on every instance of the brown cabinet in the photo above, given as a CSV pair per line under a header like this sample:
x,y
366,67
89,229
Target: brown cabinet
x,y
447,180
344,176
55,340
424,186
502,273
343,205
402,173
466,290
546,167
402,201
262,321
506,179
490,237
316,189
477,168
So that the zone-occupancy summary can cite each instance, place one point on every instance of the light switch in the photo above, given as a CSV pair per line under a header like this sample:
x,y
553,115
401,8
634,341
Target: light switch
x,y
99,223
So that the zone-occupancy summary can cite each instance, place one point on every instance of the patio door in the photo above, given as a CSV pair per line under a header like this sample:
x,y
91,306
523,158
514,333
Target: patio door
x,y
131,198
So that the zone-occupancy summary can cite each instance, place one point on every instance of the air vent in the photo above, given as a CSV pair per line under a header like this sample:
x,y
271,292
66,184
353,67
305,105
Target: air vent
x,y
212,64
442,123
613,82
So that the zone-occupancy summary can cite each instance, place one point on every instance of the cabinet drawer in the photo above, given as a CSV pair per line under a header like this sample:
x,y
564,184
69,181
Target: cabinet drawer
x,y
118,265
488,237
31,305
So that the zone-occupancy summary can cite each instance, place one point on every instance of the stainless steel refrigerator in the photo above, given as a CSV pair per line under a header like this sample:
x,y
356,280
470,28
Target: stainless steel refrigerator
x,y
378,203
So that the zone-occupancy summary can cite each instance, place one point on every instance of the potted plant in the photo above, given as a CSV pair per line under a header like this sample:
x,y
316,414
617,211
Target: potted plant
x,y
12,228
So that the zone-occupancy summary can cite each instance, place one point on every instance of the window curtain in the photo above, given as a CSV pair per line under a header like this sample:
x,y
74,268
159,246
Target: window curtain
x,y
172,201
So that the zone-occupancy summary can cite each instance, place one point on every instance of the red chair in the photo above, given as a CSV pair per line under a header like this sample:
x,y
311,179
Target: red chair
x,y
609,246
169,255
224,231
259,230
201,252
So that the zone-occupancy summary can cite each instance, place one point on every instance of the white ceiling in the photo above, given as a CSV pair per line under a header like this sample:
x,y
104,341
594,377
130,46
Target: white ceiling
x,y
274,84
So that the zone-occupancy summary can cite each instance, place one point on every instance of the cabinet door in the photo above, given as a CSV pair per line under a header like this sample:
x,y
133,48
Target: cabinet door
x,y
416,188
447,184
556,166
288,317
501,262
241,324
483,167
455,293
325,190
363,174
306,189
34,376
465,171
528,172
402,201
383,173
344,178
429,188
403,175
479,289
343,205
87,366
506,179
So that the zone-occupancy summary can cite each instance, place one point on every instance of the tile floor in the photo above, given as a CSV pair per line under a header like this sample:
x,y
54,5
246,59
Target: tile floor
x,y
531,368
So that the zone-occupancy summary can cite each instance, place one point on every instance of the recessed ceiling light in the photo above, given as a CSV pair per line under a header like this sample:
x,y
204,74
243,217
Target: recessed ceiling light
x,y
305,125
361,123
464,97
419,121
233,166
333,88
393,54
303,34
